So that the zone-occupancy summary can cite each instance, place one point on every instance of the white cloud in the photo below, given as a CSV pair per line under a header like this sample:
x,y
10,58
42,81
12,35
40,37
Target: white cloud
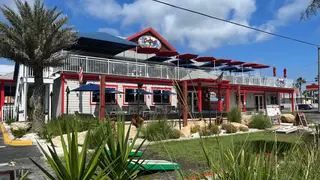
x,y
109,31
4,68
198,32
11,4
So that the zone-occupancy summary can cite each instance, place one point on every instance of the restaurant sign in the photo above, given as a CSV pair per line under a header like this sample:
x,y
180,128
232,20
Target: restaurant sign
x,y
149,42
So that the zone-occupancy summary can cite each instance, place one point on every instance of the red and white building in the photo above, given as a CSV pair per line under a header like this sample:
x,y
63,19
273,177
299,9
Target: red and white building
x,y
148,58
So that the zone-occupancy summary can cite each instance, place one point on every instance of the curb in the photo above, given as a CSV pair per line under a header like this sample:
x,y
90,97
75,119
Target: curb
x,y
7,140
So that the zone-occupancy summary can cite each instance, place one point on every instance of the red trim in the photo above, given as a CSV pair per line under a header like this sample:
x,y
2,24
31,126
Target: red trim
x,y
185,103
102,105
122,79
292,102
156,34
124,94
160,88
220,107
8,80
106,85
1,99
227,101
62,93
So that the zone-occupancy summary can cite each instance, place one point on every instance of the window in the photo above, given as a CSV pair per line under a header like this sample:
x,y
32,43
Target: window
x,y
109,98
131,96
160,98
274,100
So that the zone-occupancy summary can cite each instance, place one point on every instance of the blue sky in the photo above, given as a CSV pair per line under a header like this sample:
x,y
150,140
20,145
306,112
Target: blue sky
x,y
196,34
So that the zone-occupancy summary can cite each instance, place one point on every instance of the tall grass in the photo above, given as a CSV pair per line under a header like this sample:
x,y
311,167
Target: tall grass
x,y
159,130
234,115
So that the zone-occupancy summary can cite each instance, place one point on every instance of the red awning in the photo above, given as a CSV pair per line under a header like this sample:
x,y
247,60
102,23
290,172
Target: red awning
x,y
312,87
235,62
205,59
146,50
166,53
260,66
221,60
249,64
187,56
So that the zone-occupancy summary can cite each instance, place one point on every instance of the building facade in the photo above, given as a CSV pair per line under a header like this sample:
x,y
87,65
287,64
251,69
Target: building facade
x,y
169,88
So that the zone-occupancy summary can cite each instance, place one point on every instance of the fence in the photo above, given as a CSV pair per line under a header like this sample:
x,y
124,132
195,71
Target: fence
x,y
7,112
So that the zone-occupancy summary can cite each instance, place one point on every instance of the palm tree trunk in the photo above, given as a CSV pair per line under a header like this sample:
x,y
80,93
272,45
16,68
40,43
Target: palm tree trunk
x,y
38,100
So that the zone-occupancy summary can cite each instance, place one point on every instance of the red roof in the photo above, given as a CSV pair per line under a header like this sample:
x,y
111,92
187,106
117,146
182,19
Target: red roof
x,y
249,64
235,62
147,50
221,60
205,59
167,53
187,56
157,35
260,66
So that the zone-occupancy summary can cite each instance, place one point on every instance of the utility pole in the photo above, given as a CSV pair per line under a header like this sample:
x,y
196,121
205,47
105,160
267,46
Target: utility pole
x,y
318,79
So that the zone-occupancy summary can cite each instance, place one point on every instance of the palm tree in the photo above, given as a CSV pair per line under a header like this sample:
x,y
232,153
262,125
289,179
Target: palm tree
x,y
34,36
316,78
311,10
300,81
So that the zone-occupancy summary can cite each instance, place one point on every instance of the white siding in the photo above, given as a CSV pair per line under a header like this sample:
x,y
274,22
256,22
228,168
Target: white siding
x,y
80,101
133,54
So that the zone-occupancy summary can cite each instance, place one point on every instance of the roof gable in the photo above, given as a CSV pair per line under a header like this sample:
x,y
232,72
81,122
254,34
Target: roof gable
x,y
165,45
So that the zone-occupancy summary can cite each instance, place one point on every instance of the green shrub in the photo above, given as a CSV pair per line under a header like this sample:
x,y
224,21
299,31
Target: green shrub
x,y
195,129
19,133
175,134
229,128
51,129
157,130
9,121
260,122
207,131
234,115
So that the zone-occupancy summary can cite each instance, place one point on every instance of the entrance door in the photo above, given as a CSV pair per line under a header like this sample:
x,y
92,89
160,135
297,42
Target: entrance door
x,y
259,102
192,102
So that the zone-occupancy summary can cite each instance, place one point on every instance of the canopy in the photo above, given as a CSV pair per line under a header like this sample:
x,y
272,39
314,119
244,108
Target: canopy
x,y
147,50
249,64
210,64
166,53
243,70
113,91
260,66
187,56
222,60
159,58
205,59
189,66
235,62
167,93
229,68
181,62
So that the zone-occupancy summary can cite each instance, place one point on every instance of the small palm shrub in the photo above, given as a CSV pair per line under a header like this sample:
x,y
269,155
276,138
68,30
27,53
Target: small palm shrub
x,y
18,133
195,129
9,121
234,115
207,130
157,130
229,128
260,122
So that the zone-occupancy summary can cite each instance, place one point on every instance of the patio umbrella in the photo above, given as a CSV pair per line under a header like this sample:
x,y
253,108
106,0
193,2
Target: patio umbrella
x,y
274,71
88,87
285,72
260,66
166,53
205,59
187,56
167,93
235,62
229,68
141,91
158,58
189,66
222,60
113,91
249,64
243,70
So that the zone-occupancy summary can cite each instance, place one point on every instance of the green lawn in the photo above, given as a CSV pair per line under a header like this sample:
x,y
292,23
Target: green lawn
x,y
191,150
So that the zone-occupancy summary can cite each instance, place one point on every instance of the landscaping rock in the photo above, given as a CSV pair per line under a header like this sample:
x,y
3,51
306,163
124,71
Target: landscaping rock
x,y
287,118
245,119
20,125
185,131
239,126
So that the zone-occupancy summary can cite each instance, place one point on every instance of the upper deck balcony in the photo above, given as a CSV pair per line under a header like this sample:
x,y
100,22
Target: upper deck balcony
x,y
117,67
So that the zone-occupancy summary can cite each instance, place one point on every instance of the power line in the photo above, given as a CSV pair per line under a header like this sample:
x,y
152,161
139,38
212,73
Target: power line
x,y
234,23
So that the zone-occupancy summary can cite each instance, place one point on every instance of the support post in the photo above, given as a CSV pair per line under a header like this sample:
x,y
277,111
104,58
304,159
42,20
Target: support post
x,y
244,101
50,103
68,92
1,100
102,97
292,101
227,99
199,98
185,103
219,98
25,100
265,100
62,94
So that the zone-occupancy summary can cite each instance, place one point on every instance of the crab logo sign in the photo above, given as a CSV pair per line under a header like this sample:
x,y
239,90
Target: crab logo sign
x,y
149,42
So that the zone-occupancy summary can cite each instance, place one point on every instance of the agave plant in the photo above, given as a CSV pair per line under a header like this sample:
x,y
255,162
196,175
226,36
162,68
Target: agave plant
x,y
118,151
74,165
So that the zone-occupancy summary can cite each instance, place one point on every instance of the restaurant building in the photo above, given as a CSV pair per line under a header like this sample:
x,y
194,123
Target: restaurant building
x,y
173,83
